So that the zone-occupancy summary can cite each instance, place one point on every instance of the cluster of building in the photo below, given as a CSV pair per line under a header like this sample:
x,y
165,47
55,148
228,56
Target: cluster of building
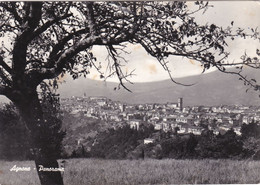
x,y
168,117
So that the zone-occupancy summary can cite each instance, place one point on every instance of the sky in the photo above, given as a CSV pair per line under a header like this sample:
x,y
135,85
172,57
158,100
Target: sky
x,y
245,14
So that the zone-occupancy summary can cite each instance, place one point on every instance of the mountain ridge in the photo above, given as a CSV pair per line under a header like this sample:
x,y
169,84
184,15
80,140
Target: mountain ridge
x,y
213,88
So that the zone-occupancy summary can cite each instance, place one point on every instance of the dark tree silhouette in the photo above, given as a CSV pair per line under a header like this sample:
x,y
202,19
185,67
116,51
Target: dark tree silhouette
x,y
45,40
251,139
13,135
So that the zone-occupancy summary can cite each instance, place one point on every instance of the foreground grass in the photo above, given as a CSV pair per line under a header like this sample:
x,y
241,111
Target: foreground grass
x,y
167,171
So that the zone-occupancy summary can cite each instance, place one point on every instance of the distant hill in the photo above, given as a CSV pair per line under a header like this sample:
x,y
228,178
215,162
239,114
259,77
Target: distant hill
x,y
213,88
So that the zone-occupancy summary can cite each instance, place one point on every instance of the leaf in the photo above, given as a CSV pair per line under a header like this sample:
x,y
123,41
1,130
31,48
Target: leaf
x,y
258,52
212,27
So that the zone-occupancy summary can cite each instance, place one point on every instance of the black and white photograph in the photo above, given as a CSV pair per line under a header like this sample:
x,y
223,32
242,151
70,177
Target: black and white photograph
x,y
129,92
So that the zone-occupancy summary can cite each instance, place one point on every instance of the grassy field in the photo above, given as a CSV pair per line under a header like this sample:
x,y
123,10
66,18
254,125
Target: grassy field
x,y
167,171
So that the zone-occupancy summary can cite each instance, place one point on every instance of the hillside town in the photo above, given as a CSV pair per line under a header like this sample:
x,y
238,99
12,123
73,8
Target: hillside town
x,y
171,116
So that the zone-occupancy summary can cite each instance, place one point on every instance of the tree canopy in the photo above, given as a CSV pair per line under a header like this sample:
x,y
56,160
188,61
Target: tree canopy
x,y
45,40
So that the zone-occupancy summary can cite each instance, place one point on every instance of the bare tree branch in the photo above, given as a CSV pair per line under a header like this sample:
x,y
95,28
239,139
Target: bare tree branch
x,y
4,78
48,24
118,69
61,44
5,66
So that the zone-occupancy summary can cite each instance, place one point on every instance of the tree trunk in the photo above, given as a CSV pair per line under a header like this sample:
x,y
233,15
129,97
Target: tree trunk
x,y
41,146
48,177
46,161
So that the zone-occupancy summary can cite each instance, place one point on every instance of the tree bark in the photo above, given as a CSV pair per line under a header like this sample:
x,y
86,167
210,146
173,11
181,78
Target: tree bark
x,y
42,148
48,177
46,160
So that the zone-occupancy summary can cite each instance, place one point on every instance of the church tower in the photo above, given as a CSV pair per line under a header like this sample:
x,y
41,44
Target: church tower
x,y
180,103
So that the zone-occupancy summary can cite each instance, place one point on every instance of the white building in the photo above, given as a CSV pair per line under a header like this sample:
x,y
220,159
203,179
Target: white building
x,y
148,141
158,126
135,124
